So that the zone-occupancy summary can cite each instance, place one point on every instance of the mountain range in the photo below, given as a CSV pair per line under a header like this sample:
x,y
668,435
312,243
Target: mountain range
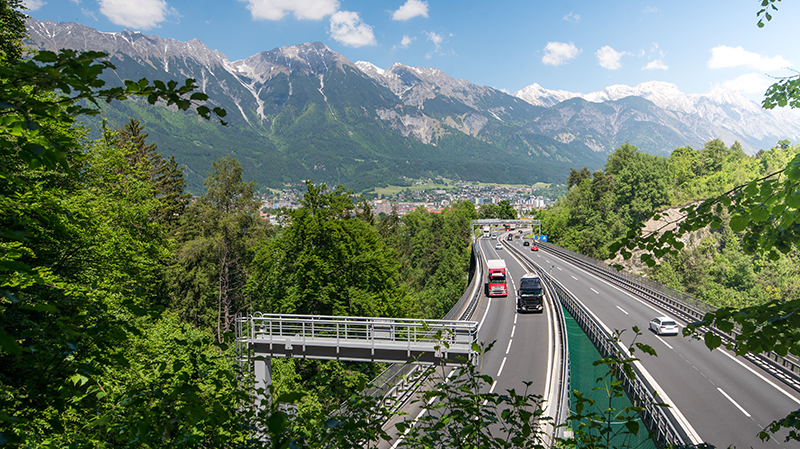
x,y
307,112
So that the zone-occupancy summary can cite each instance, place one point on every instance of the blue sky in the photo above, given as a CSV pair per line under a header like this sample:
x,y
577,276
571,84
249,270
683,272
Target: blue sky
x,y
578,45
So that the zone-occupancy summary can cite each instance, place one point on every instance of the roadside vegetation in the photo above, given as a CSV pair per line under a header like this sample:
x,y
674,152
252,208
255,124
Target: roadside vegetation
x,y
714,265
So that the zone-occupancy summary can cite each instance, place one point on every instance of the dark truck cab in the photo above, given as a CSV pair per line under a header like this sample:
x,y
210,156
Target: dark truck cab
x,y
530,297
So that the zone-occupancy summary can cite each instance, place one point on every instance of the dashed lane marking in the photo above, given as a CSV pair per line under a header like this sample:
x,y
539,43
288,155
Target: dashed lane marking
x,y
734,402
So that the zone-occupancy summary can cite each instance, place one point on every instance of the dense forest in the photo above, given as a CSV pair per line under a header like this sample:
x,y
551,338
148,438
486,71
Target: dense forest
x,y
715,267
119,290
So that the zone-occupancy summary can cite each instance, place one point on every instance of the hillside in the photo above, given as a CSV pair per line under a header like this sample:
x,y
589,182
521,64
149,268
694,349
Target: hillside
x,y
306,112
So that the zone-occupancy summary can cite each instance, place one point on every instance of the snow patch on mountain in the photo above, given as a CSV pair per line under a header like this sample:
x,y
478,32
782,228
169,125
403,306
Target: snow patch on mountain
x,y
730,112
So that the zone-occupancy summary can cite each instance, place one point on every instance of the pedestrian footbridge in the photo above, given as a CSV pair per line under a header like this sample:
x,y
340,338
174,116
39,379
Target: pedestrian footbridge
x,y
359,339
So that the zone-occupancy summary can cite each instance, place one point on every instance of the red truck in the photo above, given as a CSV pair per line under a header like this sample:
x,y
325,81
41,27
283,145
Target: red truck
x,y
507,226
496,285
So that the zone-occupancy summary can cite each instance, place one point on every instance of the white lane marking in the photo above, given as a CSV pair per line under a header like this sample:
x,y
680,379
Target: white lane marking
x,y
761,377
573,277
661,313
515,319
662,341
491,390
559,269
734,402
623,310
673,409
513,328
594,290
489,304
419,415
509,346
501,366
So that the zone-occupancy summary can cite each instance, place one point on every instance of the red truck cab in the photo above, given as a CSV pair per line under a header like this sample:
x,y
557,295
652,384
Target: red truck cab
x,y
496,279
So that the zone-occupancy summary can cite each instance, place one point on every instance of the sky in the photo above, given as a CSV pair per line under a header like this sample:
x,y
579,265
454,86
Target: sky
x,y
573,45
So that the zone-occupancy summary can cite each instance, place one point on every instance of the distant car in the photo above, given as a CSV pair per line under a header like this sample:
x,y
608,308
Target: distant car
x,y
510,237
498,246
534,248
494,236
664,326
526,243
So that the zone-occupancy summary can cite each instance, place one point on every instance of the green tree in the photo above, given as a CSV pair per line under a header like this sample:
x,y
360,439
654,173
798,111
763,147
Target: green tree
x,y
577,176
12,31
165,175
217,235
435,255
79,254
327,261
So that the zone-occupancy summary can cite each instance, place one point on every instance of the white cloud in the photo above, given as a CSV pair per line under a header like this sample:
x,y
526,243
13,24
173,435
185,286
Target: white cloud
x,y
608,58
137,14
656,64
33,5
302,9
437,39
574,18
411,9
751,83
89,13
558,53
649,10
405,41
347,28
723,57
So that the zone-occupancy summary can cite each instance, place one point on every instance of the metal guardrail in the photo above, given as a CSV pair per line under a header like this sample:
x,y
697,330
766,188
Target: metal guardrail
x,y
654,415
681,304
563,385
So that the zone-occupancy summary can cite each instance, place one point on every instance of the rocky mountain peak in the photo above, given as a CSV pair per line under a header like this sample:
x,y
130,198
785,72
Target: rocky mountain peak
x,y
54,36
313,57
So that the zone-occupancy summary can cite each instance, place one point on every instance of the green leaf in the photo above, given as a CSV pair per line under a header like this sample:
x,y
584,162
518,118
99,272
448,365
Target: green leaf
x,y
712,340
9,344
793,199
39,307
739,222
759,214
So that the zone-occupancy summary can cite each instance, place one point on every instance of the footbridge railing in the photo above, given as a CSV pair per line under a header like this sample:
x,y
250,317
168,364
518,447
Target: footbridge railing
x,y
390,340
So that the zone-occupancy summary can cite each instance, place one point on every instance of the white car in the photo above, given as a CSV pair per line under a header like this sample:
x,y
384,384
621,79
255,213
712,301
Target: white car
x,y
494,236
664,326
498,246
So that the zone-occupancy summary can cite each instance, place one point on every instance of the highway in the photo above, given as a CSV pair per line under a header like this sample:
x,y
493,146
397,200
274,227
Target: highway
x,y
524,344
721,399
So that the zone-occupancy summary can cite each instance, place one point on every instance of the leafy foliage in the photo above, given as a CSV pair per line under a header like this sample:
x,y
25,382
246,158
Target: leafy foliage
x,y
327,261
435,251
460,413
502,210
